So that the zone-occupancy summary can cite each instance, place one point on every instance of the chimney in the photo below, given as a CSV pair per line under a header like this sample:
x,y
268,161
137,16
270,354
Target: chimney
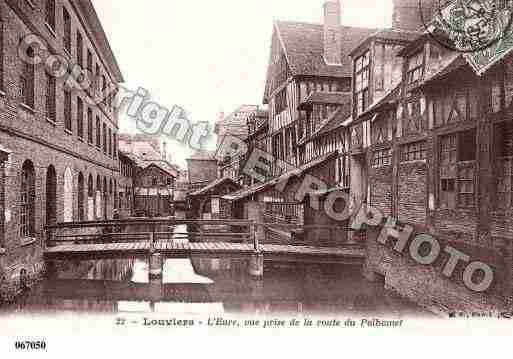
x,y
332,35
406,14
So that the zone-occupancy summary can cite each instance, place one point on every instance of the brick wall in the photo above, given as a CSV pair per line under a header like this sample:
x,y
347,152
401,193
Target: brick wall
x,y
380,180
426,285
412,192
30,136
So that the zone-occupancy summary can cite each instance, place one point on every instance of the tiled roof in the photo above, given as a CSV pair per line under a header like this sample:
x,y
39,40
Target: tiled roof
x,y
328,98
396,35
213,185
304,46
273,182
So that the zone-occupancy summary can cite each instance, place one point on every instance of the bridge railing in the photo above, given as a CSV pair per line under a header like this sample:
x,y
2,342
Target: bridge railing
x,y
136,230
313,235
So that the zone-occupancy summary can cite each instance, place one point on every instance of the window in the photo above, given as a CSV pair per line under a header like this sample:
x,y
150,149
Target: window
x,y
413,151
280,101
27,81
381,158
154,181
362,82
415,68
27,200
80,118
110,143
50,97
98,133
67,30
104,128
50,13
80,50
504,150
169,181
81,193
1,55
457,170
89,126
97,79
90,61
67,110
115,145
344,171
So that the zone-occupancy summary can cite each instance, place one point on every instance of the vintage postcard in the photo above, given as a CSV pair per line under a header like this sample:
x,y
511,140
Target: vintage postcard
x,y
178,171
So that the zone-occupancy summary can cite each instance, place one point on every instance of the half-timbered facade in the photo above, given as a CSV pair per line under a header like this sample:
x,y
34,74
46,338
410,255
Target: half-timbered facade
x,y
433,150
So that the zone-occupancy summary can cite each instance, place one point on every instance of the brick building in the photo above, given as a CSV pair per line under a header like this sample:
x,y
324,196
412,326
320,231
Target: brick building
x,y
60,161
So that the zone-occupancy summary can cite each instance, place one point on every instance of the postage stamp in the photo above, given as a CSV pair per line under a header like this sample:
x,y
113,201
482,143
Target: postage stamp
x,y
480,29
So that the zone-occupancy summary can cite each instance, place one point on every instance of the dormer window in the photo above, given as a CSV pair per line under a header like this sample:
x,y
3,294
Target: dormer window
x,y
415,68
362,82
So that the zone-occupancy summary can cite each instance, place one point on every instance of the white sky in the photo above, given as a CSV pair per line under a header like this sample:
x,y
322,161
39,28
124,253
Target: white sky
x,y
208,56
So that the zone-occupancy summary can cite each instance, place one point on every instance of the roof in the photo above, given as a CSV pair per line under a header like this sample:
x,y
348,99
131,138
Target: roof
x,y
387,98
131,157
292,173
203,155
452,64
162,164
98,32
327,98
337,119
303,44
395,35
212,185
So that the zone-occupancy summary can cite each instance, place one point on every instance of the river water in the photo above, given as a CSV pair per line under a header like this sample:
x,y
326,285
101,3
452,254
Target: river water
x,y
198,285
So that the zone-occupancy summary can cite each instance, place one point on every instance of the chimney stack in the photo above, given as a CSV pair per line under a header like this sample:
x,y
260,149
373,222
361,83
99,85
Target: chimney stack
x,y
332,35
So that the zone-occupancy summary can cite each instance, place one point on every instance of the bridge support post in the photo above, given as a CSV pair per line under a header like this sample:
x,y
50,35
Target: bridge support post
x,y
156,264
256,265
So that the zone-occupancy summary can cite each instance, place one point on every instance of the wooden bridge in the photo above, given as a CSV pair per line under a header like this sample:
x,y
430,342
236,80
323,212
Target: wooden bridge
x,y
145,238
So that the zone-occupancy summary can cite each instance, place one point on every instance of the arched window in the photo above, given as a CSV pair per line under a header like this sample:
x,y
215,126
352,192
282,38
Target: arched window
x,y
90,198
80,199
51,195
105,197
68,195
27,202
98,197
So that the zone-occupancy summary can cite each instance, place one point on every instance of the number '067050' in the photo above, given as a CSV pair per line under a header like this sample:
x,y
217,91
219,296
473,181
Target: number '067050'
x,y
30,345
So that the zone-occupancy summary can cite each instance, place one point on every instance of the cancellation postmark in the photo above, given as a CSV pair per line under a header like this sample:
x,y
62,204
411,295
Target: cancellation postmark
x,y
467,26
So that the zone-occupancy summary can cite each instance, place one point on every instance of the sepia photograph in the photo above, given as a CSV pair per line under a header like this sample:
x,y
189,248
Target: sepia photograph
x,y
249,169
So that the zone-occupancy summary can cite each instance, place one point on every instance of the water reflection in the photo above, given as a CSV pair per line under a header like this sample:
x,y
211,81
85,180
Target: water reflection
x,y
211,286
201,285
